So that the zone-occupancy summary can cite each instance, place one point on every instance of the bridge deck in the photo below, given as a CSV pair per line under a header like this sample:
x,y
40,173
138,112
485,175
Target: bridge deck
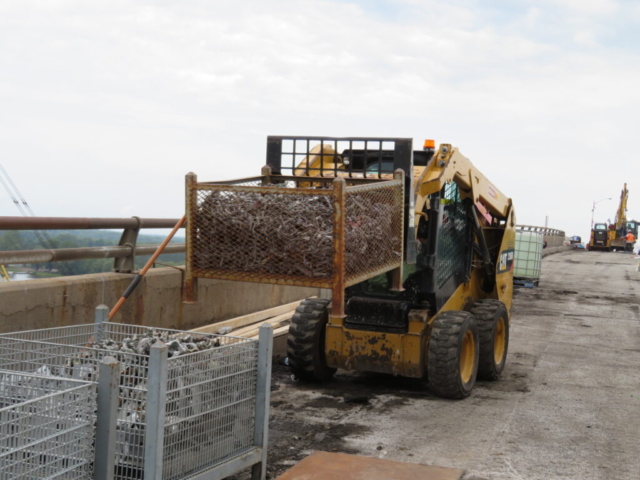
x,y
567,406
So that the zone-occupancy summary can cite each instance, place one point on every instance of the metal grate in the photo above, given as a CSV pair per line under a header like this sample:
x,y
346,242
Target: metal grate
x,y
453,237
285,231
210,400
46,427
366,157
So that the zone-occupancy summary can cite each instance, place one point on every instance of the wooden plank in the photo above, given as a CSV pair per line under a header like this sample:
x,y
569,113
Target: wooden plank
x,y
332,466
249,318
251,330
277,332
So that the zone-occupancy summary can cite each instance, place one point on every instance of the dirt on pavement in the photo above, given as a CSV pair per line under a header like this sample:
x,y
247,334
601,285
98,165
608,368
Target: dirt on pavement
x,y
566,406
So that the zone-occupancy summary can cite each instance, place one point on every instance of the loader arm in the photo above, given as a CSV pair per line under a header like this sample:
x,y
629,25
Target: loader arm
x,y
621,215
448,165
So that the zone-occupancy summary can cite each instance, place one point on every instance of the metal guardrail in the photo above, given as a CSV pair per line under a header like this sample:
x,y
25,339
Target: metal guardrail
x,y
551,232
124,253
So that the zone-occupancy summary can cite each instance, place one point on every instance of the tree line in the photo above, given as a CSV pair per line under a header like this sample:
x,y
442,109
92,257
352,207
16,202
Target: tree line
x,y
27,240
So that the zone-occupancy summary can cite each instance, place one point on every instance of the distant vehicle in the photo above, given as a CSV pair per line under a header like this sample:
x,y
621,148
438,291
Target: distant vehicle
x,y
575,240
600,237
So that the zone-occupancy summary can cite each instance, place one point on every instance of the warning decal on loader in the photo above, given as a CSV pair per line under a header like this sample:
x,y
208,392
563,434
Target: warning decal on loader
x,y
505,263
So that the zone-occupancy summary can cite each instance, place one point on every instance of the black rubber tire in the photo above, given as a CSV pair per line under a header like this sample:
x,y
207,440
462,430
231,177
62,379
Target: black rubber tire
x,y
488,313
443,354
305,343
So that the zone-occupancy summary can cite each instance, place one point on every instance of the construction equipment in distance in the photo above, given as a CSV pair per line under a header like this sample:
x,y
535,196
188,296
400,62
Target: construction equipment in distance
x,y
4,274
600,237
613,237
419,255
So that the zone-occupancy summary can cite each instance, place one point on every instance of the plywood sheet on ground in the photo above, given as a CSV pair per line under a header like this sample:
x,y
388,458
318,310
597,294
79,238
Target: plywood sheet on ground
x,y
332,466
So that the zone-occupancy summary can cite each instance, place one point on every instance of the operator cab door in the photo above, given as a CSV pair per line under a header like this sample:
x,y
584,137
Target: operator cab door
x,y
446,252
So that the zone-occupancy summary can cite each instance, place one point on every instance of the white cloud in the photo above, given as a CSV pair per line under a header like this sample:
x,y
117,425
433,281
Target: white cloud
x,y
589,7
106,105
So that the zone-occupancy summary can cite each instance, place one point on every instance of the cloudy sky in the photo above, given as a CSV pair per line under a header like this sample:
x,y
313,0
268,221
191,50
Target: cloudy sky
x,y
106,105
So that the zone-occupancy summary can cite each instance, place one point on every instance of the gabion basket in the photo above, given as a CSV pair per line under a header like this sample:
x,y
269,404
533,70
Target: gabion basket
x,y
305,231
178,415
46,427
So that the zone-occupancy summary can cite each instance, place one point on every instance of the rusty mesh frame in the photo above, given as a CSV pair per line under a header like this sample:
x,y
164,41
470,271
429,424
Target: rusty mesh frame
x,y
330,230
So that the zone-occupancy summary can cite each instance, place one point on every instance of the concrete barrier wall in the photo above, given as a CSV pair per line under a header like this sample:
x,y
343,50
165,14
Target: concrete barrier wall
x,y
554,240
551,250
156,302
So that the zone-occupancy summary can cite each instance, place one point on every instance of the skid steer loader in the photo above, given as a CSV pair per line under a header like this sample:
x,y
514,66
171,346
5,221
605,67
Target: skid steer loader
x,y
416,248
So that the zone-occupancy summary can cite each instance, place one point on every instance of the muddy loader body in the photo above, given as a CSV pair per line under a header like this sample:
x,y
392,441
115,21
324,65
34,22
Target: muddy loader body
x,y
415,246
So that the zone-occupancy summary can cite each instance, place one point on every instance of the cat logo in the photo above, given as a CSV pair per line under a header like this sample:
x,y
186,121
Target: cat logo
x,y
505,263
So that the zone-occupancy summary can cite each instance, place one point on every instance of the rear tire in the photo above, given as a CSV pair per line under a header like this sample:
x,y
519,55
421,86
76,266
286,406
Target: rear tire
x,y
493,326
305,343
453,354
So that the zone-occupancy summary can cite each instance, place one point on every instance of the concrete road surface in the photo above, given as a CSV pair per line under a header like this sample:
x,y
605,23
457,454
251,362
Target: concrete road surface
x,y
567,407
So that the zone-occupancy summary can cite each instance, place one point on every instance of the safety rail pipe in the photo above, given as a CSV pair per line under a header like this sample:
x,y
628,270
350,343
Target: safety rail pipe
x,y
124,253
17,257
552,232
83,223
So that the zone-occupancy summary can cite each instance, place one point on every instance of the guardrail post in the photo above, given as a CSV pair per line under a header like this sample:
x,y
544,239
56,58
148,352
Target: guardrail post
x,y
100,318
128,239
263,399
339,247
266,175
191,202
396,273
107,422
156,403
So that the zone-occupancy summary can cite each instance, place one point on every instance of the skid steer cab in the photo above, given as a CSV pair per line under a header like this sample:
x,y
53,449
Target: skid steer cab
x,y
416,248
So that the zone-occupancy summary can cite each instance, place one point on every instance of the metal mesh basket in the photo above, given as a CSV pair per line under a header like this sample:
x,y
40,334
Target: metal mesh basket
x,y
46,427
209,405
294,230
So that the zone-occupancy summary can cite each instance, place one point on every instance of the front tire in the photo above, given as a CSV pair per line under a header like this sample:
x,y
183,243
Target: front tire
x,y
453,354
305,343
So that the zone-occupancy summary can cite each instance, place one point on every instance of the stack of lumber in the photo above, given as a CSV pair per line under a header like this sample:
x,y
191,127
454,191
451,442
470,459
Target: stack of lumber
x,y
248,325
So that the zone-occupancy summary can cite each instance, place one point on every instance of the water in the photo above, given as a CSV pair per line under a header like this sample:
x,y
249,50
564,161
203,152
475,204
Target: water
x,y
20,276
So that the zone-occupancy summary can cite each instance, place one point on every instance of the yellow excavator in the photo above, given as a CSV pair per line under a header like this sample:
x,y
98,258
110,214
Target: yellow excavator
x,y
613,236
619,231
3,273
419,258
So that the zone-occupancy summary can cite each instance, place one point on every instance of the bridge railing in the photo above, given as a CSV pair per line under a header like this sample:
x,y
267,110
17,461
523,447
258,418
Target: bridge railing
x,y
124,253
553,236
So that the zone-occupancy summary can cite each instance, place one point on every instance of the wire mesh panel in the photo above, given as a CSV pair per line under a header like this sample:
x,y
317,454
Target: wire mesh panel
x,y
210,409
374,224
283,230
211,388
528,255
46,427
263,233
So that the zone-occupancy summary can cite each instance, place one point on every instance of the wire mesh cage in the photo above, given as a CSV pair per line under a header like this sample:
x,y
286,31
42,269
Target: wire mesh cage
x,y
294,230
203,406
46,427
528,255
